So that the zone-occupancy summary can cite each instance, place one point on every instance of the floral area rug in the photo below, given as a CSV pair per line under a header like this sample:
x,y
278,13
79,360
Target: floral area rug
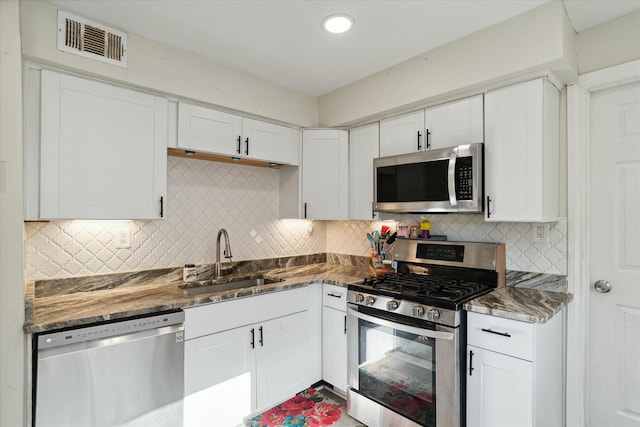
x,y
306,409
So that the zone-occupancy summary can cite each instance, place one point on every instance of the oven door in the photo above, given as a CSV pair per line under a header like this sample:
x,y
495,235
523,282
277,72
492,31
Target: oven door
x,y
399,367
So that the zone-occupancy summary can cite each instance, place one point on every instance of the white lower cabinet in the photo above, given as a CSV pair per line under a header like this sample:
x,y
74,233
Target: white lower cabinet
x,y
281,358
334,336
515,374
247,355
220,370
499,390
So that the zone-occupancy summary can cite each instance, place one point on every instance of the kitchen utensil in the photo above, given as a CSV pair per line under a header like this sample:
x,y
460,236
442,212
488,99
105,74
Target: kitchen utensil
x,y
392,238
372,241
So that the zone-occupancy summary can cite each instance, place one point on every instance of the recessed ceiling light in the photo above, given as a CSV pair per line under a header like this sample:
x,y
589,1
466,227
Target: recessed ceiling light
x,y
337,24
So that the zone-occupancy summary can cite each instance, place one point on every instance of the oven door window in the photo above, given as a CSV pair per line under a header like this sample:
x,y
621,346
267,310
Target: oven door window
x,y
397,369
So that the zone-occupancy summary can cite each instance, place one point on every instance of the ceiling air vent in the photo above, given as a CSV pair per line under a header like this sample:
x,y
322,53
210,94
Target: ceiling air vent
x,y
92,40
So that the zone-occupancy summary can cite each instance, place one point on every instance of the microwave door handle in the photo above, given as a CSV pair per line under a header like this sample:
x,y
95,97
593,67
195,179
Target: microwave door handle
x,y
440,335
452,177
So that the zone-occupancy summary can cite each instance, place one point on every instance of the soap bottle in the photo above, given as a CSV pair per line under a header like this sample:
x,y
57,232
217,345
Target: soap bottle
x,y
189,273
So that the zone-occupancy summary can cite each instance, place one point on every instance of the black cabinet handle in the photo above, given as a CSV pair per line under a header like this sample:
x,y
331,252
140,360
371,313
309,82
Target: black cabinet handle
x,y
427,139
502,334
161,207
470,363
261,337
488,207
305,210
246,151
239,149
419,146
345,324
334,295
253,338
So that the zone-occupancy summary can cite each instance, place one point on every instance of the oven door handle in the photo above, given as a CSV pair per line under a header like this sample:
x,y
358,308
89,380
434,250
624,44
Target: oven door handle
x,y
440,335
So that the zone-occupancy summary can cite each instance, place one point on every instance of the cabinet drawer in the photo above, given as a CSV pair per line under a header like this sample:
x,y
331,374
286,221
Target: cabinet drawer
x,y
335,297
504,336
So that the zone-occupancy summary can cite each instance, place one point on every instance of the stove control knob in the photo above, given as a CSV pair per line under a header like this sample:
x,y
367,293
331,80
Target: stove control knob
x,y
370,300
418,310
359,298
433,314
392,305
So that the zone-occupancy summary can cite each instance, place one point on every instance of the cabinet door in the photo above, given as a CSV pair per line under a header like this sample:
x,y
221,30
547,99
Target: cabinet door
x,y
404,134
521,153
499,390
281,360
334,347
363,148
103,151
269,142
455,123
325,174
219,378
209,131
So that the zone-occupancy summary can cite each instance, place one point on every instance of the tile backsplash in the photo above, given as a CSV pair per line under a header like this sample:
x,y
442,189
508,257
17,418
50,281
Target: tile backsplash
x,y
206,196
522,252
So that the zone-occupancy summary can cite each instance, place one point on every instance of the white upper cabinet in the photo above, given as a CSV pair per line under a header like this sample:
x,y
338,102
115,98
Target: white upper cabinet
x,y
212,131
403,134
325,174
447,125
363,148
455,123
269,142
103,151
521,152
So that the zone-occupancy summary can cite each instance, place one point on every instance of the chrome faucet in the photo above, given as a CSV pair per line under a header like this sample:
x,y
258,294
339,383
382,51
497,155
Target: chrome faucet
x,y
227,252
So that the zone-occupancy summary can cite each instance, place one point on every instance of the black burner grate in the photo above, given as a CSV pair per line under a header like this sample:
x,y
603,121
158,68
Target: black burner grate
x,y
420,287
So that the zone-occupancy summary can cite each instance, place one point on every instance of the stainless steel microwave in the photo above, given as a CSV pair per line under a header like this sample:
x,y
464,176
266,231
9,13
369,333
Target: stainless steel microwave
x,y
434,181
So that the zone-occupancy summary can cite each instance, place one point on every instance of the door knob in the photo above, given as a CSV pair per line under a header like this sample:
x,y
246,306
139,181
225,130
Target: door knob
x,y
602,286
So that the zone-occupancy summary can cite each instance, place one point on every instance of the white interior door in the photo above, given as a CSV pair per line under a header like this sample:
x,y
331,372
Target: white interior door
x,y
614,328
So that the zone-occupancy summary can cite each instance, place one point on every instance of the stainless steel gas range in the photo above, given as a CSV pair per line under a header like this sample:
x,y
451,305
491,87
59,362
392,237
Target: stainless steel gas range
x,y
406,333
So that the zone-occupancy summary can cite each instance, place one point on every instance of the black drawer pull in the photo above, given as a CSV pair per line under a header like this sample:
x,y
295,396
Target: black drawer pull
x,y
334,295
470,363
502,334
345,324
253,337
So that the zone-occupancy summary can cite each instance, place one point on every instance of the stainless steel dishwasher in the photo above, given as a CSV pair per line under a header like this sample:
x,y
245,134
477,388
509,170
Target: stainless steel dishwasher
x,y
124,373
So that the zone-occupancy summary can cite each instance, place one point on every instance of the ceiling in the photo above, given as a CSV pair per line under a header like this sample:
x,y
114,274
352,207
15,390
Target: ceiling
x,y
281,41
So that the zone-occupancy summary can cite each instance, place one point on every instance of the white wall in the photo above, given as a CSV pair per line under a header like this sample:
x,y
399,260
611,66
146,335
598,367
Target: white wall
x,y
539,40
165,69
12,339
612,43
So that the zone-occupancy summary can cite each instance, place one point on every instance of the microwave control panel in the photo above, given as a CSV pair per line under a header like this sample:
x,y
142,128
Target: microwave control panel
x,y
464,178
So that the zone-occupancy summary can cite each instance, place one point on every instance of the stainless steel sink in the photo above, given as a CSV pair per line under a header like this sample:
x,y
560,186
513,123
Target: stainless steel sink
x,y
221,285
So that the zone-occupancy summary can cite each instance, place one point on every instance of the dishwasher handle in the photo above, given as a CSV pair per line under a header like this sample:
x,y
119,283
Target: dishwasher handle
x,y
112,329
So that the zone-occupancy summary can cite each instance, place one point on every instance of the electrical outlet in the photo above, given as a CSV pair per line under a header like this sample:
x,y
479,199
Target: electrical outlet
x,y
123,239
541,232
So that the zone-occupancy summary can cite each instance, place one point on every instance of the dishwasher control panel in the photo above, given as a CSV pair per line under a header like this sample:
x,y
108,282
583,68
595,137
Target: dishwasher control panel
x,y
111,330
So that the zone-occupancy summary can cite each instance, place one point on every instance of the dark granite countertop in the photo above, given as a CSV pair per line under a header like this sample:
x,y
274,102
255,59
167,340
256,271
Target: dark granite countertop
x,y
108,297
71,302
528,297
